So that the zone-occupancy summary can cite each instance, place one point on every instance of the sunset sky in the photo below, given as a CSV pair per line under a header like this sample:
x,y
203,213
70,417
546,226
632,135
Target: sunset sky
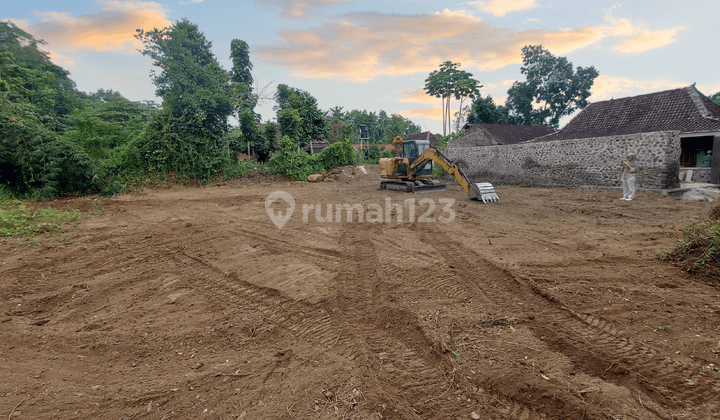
x,y
376,54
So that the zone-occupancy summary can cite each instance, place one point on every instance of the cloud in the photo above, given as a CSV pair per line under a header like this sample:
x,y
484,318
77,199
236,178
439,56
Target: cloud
x,y
299,9
502,7
363,45
607,87
433,113
647,40
110,29
415,96
642,39
61,60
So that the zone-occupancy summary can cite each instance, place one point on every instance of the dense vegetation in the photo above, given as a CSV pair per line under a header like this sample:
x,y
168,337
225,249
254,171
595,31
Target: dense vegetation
x,y
56,140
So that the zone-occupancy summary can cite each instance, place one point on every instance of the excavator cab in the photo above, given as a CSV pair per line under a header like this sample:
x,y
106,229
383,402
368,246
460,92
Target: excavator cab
x,y
414,148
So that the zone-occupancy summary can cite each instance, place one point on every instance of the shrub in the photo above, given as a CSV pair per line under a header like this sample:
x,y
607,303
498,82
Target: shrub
x,y
340,153
292,163
699,249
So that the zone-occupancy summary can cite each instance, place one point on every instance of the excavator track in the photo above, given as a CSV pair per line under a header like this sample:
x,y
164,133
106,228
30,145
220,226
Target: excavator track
x,y
415,187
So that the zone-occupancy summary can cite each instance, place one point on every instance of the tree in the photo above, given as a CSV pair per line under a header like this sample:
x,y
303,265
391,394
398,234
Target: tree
x,y
716,98
298,115
240,56
105,122
55,96
245,100
484,110
552,84
189,133
33,160
449,82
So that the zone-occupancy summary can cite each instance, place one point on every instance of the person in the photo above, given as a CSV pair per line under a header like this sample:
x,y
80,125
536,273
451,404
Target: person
x,y
707,159
627,176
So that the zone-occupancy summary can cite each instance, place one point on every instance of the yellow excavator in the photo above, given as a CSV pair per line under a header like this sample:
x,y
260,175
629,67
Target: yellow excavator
x,y
413,172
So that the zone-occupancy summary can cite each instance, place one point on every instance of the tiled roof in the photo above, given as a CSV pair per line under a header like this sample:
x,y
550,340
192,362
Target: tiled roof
x,y
426,135
685,110
511,134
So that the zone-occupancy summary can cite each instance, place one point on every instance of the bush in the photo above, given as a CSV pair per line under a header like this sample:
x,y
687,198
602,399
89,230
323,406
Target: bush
x,y
292,163
699,249
160,148
340,153
299,165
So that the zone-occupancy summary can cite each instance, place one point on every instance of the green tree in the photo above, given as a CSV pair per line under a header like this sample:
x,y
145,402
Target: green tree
x,y
484,110
242,80
716,98
242,66
33,160
449,82
550,83
55,96
188,135
440,85
106,122
298,115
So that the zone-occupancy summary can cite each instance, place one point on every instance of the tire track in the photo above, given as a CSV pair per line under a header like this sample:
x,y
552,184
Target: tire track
x,y
587,336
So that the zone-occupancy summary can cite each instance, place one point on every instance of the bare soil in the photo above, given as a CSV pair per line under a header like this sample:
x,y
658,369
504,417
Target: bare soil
x,y
190,303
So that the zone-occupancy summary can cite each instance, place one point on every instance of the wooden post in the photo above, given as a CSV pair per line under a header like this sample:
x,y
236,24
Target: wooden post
x,y
715,166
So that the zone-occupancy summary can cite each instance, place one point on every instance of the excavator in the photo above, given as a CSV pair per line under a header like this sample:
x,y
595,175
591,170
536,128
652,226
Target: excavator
x,y
413,172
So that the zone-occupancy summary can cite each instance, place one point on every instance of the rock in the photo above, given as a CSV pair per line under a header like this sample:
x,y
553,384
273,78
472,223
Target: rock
x,y
172,299
315,178
475,415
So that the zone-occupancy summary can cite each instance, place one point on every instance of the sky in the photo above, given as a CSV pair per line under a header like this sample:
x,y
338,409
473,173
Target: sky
x,y
372,55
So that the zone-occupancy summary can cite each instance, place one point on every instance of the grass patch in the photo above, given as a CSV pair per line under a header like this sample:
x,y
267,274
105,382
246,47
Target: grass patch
x,y
17,220
699,249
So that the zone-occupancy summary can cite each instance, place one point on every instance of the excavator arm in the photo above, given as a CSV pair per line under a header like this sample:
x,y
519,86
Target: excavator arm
x,y
482,191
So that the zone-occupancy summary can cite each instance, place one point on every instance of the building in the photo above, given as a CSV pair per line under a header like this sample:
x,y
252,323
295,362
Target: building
x,y
666,130
685,110
497,134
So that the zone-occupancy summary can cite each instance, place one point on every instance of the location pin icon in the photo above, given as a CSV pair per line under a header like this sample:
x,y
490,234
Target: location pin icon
x,y
279,218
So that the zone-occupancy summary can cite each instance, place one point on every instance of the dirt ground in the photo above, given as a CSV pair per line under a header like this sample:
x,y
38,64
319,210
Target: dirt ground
x,y
190,303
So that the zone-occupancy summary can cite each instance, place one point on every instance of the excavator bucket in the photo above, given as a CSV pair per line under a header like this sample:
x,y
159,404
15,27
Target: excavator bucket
x,y
483,191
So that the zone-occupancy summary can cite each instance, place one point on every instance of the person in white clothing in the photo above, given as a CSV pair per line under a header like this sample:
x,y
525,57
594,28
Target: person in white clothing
x,y
627,176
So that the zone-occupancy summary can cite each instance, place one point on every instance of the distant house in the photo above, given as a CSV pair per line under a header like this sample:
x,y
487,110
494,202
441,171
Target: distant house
x,y
382,146
316,146
685,110
498,134
425,135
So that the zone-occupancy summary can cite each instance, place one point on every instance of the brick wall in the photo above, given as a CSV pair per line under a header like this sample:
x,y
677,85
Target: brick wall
x,y
593,162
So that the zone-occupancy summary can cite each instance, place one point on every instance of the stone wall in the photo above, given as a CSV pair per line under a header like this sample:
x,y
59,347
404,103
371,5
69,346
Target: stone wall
x,y
698,174
592,162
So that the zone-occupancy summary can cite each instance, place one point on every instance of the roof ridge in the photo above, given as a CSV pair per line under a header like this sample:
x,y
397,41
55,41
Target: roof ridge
x,y
695,96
